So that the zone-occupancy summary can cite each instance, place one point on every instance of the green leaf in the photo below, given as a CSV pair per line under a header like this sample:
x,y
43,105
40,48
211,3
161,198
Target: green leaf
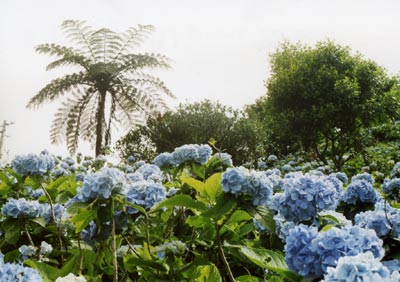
x,y
199,221
247,278
269,259
208,273
213,187
40,221
48,273
224,204
265,217
199,186
180,201
83,218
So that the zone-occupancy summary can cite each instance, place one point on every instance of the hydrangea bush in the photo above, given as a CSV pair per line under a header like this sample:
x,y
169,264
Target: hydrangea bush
x,y
191,215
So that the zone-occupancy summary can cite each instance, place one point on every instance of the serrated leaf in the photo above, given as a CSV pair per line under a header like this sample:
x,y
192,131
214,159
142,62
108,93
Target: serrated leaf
x,y
181,201
208,273
83,218
194,183
213,187
269,259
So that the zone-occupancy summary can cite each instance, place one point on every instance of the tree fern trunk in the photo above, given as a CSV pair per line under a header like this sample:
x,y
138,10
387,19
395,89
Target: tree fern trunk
x,y
100,121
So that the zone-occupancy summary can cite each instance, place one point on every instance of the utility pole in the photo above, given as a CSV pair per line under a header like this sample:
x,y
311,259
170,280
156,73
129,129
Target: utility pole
x,y
3,134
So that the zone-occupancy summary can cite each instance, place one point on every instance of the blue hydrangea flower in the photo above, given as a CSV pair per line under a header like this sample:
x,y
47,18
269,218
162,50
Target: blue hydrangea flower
x,y
225,158
241,181
283,227
204,152
375,220
392,188
361,267
272,158
262,165
148,172
175,247
299,254
363,176
360,191
191,152
45,212
27,252
145,194
306,195
341,176
21,208
163,159
32,164
349,241
101,184
393,265
395,172
131,159
10,272
45,248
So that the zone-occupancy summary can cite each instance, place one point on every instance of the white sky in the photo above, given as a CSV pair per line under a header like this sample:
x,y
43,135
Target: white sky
x,y
219,48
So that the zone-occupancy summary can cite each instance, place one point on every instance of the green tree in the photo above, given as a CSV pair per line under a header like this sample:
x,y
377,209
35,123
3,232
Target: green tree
x,y
195,123
321,100
110,86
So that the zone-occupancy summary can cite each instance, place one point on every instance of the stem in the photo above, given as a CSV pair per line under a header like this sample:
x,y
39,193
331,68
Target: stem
x,y
29,236
223,257
81,258
219,243
55,221
130,245
147,232
114,242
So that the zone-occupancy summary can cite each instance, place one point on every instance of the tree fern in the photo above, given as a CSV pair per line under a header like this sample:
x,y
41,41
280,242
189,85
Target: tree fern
x,y
109,72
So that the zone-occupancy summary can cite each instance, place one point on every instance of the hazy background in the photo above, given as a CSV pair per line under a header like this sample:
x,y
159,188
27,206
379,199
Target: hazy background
x,y
219,48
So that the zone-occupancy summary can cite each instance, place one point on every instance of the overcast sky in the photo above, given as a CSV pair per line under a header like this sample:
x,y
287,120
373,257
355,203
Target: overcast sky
x,y
219,48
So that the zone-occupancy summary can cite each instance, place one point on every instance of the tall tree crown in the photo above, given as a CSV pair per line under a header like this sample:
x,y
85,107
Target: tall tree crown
x,y
111,87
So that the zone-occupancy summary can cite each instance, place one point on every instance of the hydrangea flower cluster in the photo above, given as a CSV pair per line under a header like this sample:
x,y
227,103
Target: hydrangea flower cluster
x,y
101,184
225,158
341,176
191,152
375,220
360,191
241,181
363,176
17,272
299,254
173,247
147,172
310,253
392,188
361,267
33,164
163,159
145,194
395,172
305,195
22,208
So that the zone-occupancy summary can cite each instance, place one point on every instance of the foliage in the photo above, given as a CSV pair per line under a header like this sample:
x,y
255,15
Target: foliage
x,y
110,87
323,99
195,123
194,218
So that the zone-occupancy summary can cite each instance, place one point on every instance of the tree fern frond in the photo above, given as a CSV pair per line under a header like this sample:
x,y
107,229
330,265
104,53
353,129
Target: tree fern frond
x,y
80,33
133,37
67,120
58,87
149,80
134,62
